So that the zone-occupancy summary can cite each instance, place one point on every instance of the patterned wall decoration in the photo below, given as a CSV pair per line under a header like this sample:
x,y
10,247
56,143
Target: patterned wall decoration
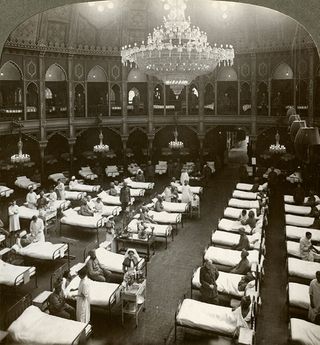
x,y
27,31
262,69
78,71
56,32
303,68
60,13
115,72
31,69
86,32
245,70
109,36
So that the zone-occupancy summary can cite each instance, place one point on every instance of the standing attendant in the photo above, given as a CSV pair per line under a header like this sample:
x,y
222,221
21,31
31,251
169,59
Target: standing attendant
x,y
60,188
83,301
14,222
208,276
124,196
314,293
37,230
186,195
206,172
31,199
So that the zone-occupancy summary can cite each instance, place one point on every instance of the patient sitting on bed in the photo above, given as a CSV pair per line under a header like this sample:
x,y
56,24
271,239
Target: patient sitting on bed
x,y
58,306
243,217
95,271
243,241
242,314
307,251
243,267
316,222
158,207
113,190
85,209
144,217
251,221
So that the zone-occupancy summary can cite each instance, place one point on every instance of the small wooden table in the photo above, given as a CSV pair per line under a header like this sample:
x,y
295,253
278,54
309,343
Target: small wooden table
x,y
133,300
245,336
41,301
137,243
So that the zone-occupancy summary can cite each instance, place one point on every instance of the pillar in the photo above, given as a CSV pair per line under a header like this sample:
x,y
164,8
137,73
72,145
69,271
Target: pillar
x,y
70,97
42,146
150,104
42,97
310,88
124,139
150,146
253,60
86,99
216,97
239,91
24,100
187,100
164,99
201,141
201,105
124,108
71,142
269,96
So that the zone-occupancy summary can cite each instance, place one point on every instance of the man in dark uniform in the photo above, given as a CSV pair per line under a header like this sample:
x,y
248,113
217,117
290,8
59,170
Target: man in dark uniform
x,y
208,276
124,196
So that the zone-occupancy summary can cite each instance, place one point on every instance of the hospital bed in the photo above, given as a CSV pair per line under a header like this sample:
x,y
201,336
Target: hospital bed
x,y
194,189
73,219
5,191
163,217
158,230
293,249
302,221
201,316
301,271
288,199
298,299
112,171
29,325
234,213
303,332
226,239
102,295
72,195
295,233
134,192
178,207
139,185
225,259
240,203
49,216
25,183
58,176
13,275
107,210
247,187
234,225
112,200
87,173
299,210
238,194
111,261
59,204
80,187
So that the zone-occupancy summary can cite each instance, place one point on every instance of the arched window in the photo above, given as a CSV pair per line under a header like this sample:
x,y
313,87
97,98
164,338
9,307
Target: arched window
x,y
9,71
97,75
55,73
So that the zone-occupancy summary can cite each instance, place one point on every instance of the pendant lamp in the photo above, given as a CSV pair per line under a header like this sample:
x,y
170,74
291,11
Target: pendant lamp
x,y
295,127
306,137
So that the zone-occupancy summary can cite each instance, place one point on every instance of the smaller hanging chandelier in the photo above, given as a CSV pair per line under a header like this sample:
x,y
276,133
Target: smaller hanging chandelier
x,y
175,144
101,147
277,149
20,157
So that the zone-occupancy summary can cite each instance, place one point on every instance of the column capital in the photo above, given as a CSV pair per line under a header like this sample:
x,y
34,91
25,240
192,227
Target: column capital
x,y
43,144
124,137
72,141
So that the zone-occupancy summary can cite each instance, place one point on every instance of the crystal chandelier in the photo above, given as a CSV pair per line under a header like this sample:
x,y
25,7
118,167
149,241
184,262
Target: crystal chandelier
x,y
177,52
20,157
101,147
175,144
277,149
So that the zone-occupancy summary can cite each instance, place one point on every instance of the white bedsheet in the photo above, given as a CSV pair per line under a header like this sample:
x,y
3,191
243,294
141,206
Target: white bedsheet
x,y
111,200
299,210
43,250
79,187
5,191
112,261
288,199
34,327
179,207
71,217
299,220
302,269
194,189
9,273
99,292
72,195
28,213
58,204
295,233
234,213
109,210
238,194
304,332
299,295
158,229
293,248
228,257
165,217
25,183
233,226
229,239
247,186
139,185
227,283
134,192
240,203
207,317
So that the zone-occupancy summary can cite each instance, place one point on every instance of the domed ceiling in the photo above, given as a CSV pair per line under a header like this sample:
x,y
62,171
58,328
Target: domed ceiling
x,y
118,22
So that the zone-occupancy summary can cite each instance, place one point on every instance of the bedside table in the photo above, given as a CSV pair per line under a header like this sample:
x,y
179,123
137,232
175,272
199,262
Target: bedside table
x,y
245,336
41,301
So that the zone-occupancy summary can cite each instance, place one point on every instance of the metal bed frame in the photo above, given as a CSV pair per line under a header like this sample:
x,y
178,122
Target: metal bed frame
x,y
114,299
26,301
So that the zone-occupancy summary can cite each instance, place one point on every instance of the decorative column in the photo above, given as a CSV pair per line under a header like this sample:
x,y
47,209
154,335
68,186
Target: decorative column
x,y
187,100
42,98
164,99
42,146
310,88
70,97
239,91
216,96
86,98
150,145
253,94
201,108
109,99
71,142
150,104
201,137
24,100
124,95
269,96
124,139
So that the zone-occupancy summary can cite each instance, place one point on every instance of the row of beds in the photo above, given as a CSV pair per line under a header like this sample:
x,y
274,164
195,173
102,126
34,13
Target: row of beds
x,y
218,319
26,322
300,272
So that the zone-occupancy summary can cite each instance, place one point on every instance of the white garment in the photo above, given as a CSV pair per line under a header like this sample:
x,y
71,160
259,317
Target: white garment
x,y
240,320
73,184
167,194
36,230
14,222
186,194
61,191
32,200
52,198
83,302
184,177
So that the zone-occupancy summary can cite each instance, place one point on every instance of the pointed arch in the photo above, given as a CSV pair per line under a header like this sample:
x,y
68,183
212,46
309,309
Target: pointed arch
x,y
282,72
10,71
55,72
227,73
97,74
